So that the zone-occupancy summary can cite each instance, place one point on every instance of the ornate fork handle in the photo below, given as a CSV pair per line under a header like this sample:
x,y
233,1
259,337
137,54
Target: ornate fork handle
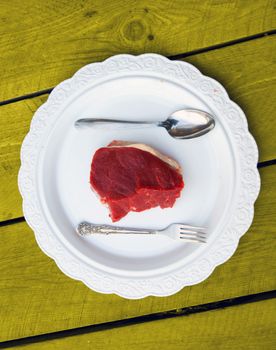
x,y
85,229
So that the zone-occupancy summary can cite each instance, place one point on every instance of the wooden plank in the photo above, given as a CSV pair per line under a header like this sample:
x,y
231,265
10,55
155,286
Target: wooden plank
x,y
249,79
14,125
43,43
37,298
248,72
245,327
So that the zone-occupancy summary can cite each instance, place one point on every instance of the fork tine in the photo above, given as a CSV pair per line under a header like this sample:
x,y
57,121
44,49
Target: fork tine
x,y
199,240
192,231
189,234
187,227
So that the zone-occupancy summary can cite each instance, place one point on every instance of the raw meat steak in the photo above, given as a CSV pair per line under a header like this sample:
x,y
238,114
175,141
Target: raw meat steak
x,y
134,177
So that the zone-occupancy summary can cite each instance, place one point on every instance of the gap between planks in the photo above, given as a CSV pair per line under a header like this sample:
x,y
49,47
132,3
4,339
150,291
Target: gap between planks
x,y
142,319
173,57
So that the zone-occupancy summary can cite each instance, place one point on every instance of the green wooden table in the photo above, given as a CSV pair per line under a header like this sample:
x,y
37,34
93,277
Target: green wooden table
x,y
45,42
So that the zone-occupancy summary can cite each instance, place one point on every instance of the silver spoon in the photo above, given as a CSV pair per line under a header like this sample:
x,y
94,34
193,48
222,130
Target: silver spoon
x,y
182,124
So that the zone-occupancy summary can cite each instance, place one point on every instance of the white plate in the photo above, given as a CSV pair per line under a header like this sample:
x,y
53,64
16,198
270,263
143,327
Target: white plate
x,y
221,179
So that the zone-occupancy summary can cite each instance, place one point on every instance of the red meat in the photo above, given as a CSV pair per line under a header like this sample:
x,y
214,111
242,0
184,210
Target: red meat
x,y
134,177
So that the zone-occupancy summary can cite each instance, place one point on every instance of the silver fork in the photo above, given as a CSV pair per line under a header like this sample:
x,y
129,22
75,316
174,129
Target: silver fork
x,y
174,231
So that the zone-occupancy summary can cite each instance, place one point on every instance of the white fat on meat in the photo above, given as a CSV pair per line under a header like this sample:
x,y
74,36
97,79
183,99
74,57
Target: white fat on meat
x,y
174,164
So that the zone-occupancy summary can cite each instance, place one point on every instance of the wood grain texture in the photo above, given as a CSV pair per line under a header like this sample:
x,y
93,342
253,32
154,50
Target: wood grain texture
x,y
37,298
248,74
14,125
246,327
43,43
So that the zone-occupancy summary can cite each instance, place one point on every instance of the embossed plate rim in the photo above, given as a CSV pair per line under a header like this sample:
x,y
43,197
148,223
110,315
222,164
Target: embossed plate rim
x,y
220,251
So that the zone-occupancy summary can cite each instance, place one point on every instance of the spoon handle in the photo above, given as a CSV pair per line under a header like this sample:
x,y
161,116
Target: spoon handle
x,y
112,124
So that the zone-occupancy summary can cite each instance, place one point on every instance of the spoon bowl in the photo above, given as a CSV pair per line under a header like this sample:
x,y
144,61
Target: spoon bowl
x,y
188,123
